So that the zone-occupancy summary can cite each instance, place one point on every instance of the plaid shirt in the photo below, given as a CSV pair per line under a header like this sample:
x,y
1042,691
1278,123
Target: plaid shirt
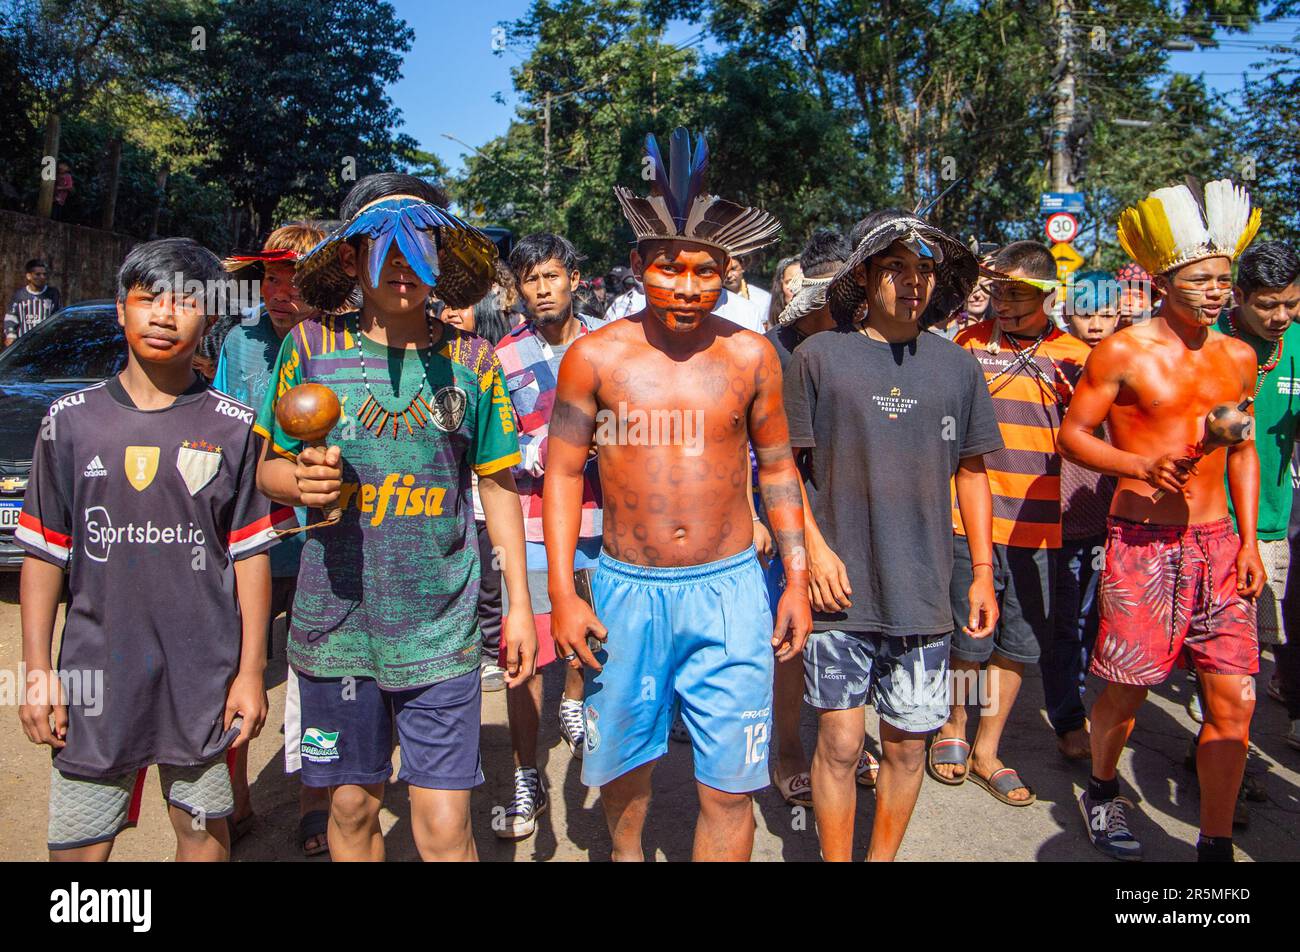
x,y
532,369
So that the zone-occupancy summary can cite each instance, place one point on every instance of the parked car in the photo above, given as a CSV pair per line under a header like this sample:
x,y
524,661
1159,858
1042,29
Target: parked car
x,y
79,346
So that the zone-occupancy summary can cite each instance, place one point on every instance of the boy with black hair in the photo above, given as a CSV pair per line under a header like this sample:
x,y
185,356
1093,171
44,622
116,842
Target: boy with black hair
x,y
545,267
143,488
1267,295
32,303
379,640
1030,367
891,416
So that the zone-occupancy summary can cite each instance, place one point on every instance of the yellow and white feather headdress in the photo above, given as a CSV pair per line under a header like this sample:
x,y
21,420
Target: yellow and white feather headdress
x,y
1172,227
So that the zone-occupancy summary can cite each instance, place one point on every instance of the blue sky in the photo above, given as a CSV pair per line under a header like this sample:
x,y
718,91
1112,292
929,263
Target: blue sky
x,y
451,73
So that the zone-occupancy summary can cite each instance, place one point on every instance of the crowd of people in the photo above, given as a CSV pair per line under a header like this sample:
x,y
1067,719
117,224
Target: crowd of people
x,y
896,479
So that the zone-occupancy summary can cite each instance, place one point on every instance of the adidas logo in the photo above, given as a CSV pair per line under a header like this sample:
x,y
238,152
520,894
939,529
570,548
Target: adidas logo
x,y
95,468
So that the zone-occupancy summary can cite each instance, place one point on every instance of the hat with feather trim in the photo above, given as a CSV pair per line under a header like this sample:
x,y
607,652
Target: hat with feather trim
x,y
1175,226
453,257
955,268
678,209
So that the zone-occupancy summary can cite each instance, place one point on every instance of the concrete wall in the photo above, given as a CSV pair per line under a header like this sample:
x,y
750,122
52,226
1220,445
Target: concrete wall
x,y
83,261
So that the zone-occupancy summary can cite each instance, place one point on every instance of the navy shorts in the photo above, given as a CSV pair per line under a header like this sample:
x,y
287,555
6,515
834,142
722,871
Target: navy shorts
x,y
347,732
1023,580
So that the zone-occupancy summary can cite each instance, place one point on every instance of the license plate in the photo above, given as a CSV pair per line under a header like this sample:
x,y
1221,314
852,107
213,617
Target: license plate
x,y
9,510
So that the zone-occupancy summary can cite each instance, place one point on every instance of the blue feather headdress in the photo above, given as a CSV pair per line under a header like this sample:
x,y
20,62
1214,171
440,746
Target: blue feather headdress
x,y
445,253
679,209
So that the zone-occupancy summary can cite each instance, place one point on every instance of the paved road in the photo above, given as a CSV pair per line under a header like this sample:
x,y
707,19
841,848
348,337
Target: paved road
x,y
962,823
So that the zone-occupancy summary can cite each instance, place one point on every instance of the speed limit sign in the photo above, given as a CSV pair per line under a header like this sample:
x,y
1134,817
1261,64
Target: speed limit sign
x,y
1062,227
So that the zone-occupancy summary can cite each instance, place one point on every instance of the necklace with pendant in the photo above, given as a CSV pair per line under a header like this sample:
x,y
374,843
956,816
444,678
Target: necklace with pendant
x,y
1273,359
374,415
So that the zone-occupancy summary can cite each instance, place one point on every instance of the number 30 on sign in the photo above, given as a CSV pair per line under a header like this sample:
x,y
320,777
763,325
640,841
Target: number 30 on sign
x,y
1062,227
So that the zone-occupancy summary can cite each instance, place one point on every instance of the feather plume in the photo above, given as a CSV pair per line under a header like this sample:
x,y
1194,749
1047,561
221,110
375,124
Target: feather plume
x,y
679,208
660,183
1186,227
1227,214
679,154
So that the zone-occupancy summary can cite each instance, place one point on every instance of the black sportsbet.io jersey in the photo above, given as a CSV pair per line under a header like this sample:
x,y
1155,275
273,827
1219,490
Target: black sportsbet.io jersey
x,y
148,511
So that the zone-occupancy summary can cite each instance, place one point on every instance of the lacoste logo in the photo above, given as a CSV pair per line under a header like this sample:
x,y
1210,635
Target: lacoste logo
x,y
95,468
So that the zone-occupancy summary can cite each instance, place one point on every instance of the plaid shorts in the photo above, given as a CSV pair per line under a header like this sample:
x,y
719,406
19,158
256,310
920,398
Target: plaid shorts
x,y
86,810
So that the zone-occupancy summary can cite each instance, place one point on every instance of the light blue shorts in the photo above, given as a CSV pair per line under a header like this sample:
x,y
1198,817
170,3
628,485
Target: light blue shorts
x,y
699,637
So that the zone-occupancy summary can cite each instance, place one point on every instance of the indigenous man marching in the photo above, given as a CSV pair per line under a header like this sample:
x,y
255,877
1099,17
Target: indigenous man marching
x,y
669,397
1177,580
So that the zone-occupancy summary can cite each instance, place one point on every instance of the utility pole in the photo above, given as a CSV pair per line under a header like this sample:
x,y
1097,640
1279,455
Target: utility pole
x,y
546,148
1063,107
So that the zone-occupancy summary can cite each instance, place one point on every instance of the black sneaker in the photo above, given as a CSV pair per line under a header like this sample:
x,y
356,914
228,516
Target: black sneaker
x,y
530,802
1107,826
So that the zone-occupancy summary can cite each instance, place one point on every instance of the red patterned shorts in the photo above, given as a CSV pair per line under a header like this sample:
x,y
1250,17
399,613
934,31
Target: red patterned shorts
x,y
1166,590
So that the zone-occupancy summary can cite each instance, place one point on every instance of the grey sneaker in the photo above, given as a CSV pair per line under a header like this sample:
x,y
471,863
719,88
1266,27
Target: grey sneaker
x,y
530,802
1107,825
572,726
494,677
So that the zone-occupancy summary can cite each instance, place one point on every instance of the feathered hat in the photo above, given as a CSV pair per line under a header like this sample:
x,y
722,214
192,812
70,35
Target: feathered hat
x,y
1175,226
955,268
446,253
679,209
809,295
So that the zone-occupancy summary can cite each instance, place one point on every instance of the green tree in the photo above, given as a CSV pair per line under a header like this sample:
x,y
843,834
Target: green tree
x,y
937,91
610,79
292,104
72,49
1268,140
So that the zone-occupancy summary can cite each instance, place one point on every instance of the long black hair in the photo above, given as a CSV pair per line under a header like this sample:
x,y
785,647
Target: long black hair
x,y
372,188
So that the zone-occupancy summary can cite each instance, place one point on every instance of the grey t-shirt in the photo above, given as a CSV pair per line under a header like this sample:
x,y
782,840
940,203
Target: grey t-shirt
x,y
889,424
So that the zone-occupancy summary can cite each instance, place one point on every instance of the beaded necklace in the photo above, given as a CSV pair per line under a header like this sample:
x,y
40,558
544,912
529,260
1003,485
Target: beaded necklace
x,y
373,415
1273,360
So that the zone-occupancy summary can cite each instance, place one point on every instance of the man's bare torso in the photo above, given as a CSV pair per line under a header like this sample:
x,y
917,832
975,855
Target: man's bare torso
x,y
1166,390
672,434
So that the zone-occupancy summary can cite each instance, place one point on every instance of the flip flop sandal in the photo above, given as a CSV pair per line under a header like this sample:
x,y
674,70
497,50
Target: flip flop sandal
x,y
313,824
948,750
1000,784
795,790
868,770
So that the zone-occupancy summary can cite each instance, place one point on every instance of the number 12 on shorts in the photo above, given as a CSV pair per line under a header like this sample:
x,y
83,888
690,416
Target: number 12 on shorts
x,y
755,742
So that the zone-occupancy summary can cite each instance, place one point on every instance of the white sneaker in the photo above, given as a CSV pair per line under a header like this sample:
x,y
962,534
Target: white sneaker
x,y
494,677
572,726
530,802
1194,708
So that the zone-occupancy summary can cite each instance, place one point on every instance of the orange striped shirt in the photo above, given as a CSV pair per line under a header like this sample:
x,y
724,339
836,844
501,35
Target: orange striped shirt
x,y
1025,476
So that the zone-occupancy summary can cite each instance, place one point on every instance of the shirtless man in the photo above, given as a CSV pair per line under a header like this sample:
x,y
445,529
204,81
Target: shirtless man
x,y
1176,577
669,397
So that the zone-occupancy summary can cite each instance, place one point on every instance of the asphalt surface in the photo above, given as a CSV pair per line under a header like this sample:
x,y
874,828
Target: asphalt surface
x,y
962,823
